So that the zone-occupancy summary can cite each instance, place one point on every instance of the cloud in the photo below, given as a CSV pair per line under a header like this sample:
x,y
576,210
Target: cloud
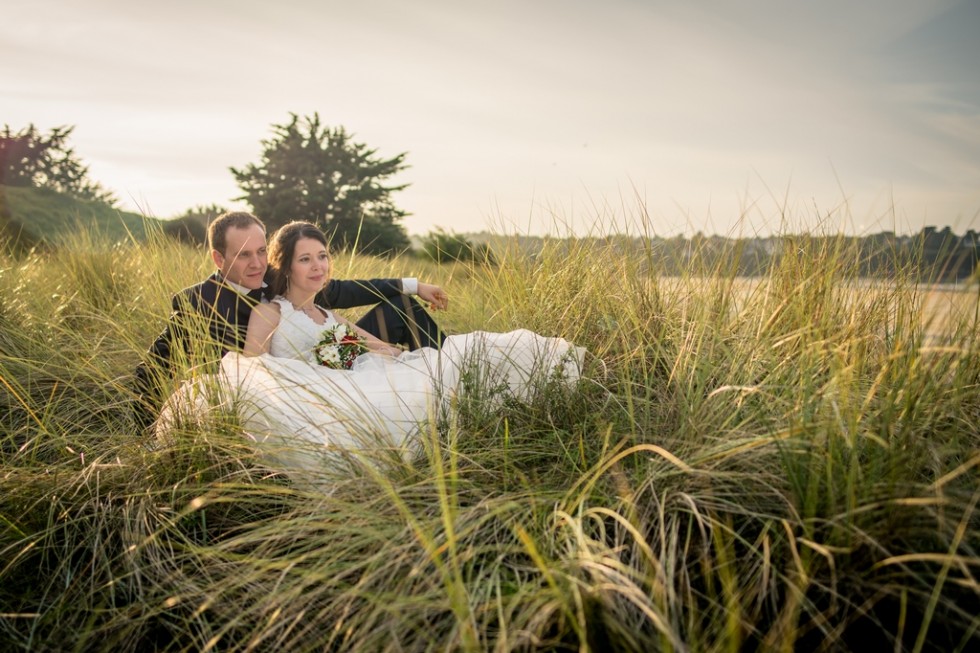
x,y
508,106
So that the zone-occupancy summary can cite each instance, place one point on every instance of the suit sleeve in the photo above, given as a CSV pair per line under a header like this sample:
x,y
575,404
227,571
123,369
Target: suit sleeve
x,y
156,364
358,292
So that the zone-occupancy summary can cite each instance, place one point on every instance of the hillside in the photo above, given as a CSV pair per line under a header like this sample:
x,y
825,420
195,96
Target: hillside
x,y
33,216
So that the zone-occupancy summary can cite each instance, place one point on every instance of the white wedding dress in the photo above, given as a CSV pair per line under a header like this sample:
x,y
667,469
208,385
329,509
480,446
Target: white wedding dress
x,y
304,413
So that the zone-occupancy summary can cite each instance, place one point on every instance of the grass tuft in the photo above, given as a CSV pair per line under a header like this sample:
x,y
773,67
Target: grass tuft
x,y
779,463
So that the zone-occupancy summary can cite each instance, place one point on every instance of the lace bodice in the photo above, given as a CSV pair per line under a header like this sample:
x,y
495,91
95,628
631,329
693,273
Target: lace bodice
x,y
297,332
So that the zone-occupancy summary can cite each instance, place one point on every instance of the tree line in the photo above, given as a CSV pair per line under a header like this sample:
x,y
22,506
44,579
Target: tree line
x,y
932,255
321,174
307,171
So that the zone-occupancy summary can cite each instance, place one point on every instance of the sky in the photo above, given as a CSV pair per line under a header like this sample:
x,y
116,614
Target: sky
x,y
550,116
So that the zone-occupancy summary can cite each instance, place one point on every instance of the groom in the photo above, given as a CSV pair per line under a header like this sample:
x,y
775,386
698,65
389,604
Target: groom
x,y
224,301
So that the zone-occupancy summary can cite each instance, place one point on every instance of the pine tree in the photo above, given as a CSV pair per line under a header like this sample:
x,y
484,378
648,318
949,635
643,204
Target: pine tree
x,y
29,158
319,174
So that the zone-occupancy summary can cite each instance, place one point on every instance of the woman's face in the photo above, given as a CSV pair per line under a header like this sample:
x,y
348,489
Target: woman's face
x,y
310,268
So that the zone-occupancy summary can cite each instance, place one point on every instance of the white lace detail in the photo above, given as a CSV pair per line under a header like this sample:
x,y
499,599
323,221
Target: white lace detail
x,y
297,332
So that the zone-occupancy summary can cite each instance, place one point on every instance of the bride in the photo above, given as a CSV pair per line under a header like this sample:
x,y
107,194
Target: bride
x,y
306,400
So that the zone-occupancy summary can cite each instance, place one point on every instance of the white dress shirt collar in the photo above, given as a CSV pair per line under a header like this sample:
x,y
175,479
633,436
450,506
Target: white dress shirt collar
x,y
241,290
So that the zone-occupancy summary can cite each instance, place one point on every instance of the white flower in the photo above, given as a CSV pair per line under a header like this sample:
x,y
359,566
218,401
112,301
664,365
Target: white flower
x,y
329,354
340,332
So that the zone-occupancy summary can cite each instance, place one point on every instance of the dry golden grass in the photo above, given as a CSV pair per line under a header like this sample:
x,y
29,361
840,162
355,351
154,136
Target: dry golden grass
x,y
781,464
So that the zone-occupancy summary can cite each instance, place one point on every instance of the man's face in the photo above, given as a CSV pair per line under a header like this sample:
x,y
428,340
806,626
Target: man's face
x,y
245,258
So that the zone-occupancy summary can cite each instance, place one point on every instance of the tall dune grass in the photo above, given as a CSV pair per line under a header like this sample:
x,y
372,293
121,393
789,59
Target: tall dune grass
x,y
784,464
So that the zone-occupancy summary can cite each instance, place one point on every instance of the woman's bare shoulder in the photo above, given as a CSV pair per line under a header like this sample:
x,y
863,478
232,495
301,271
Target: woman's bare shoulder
x,y
268,310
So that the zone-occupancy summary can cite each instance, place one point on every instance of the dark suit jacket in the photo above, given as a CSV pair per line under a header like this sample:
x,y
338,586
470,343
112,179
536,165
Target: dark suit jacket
x,y
226,314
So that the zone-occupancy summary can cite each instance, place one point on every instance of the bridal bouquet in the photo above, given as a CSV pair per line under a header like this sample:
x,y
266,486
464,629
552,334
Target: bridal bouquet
x,y
338,347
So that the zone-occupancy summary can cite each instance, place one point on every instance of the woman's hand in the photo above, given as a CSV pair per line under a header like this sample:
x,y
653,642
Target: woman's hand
x,y
387,350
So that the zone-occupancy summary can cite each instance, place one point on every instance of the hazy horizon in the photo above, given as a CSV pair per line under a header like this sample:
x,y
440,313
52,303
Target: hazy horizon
x,y
539,117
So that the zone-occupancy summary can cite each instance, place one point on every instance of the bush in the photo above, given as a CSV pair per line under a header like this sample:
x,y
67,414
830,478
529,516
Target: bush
x,y
442,247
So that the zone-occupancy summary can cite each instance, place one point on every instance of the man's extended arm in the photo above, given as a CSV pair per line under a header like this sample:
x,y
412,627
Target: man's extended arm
x,y
348,293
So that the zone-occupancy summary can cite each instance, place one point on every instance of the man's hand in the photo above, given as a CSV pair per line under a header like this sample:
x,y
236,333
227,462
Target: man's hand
x,y
388,350
434,296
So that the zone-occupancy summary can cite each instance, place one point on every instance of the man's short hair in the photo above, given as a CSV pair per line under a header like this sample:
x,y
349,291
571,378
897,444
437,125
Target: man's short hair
x,y
218,229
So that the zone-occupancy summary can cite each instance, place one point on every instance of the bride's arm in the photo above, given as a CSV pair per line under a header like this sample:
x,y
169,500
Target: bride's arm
x,y
373,343
261,325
